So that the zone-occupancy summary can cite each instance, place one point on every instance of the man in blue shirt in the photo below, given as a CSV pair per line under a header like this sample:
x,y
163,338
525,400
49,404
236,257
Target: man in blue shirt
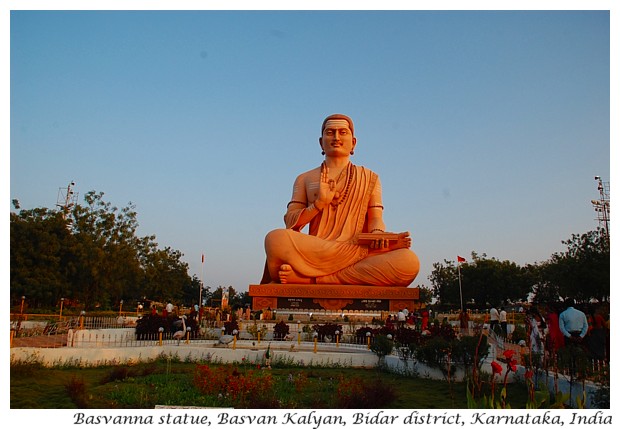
x,y
573,322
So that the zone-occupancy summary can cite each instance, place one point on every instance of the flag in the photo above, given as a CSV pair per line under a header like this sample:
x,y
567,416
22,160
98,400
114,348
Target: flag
x,y
460,259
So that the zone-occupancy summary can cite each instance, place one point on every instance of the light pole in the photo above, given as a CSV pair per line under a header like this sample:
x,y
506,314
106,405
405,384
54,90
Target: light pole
x,y
21,310
120,308
601,206
62,301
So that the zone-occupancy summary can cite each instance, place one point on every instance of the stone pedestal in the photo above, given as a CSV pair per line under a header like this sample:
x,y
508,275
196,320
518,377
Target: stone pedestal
x,y
333,297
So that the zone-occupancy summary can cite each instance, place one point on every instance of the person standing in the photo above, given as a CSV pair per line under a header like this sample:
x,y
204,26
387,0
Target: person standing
x,y
503,322
555,338
573,323
494,321
574,326
597,335
533,323
464,322
401,318
425,318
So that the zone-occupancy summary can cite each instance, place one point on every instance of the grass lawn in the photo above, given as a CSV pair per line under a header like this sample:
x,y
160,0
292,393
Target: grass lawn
x,y
144,385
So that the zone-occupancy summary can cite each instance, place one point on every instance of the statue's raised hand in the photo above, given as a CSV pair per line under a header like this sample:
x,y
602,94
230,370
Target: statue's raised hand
x,y
327,189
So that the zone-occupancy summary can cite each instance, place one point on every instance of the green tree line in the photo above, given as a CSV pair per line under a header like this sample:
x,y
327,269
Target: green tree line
x,y
92,256
582,271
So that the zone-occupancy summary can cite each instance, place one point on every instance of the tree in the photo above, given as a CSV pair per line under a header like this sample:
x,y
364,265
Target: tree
x,y
426,294
39,246
92,254
444,279
483,280
106,252
582,271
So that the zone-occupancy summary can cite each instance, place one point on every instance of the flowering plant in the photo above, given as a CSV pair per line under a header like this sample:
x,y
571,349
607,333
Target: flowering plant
x,y
232,386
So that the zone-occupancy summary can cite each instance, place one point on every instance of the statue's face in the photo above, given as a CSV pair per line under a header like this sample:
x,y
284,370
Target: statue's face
x,y
337,138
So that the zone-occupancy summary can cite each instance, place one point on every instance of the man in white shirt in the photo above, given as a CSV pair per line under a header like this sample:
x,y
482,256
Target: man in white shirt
x,y
494,319
503,322
573,322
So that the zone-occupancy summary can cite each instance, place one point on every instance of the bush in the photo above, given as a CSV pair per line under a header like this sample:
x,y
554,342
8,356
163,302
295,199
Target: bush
x,y
406,336
519,334
436,353
362,333
327,331
233,387
230,327
382,346
76,389
466,350
360,394
280,330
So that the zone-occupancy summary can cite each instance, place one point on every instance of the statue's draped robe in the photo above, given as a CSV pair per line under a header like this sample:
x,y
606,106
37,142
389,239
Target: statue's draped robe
x,y
330,249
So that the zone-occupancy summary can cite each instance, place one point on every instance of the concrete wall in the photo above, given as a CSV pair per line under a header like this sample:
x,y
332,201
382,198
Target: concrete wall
x,y
122,355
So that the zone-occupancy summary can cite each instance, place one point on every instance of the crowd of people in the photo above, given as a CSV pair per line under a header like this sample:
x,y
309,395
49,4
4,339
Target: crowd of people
x,y
416,319
560,325
548,328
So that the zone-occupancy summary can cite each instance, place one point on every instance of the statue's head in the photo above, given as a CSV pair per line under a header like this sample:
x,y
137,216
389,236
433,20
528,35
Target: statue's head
x,y
337,138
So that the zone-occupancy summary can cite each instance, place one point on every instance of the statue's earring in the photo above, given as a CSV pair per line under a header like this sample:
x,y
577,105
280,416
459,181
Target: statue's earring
x,y
352,152
322,152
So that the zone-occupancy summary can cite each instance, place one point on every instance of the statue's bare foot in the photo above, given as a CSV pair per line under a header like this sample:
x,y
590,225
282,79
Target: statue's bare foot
x,y
288,275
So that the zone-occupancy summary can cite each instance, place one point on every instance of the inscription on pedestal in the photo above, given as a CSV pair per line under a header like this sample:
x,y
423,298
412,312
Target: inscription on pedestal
x,y
335,298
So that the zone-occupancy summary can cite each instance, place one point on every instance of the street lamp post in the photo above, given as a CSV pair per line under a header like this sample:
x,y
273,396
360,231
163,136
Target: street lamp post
x,y
120,308
21,310
62,301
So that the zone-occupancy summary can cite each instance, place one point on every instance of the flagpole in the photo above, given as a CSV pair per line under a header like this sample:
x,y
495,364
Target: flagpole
x,y
460,285
202,274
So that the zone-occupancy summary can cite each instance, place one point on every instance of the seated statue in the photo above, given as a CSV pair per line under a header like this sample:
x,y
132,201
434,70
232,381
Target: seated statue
x,y
347,243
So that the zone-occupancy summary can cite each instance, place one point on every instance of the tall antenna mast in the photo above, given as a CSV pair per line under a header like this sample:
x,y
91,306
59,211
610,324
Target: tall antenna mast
x,y
66,200
601,206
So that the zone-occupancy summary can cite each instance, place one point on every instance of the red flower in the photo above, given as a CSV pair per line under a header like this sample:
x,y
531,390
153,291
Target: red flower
x,y
512,364
529,374
497,368
508,354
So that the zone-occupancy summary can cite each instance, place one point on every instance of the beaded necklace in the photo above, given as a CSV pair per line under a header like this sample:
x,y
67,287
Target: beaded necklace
x,y
349,178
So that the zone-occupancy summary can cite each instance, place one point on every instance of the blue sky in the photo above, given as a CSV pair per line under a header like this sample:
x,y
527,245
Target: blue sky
x,y
486,127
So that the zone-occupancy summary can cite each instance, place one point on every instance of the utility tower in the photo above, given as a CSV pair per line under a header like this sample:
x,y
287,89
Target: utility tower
x,y
66,200
601,206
